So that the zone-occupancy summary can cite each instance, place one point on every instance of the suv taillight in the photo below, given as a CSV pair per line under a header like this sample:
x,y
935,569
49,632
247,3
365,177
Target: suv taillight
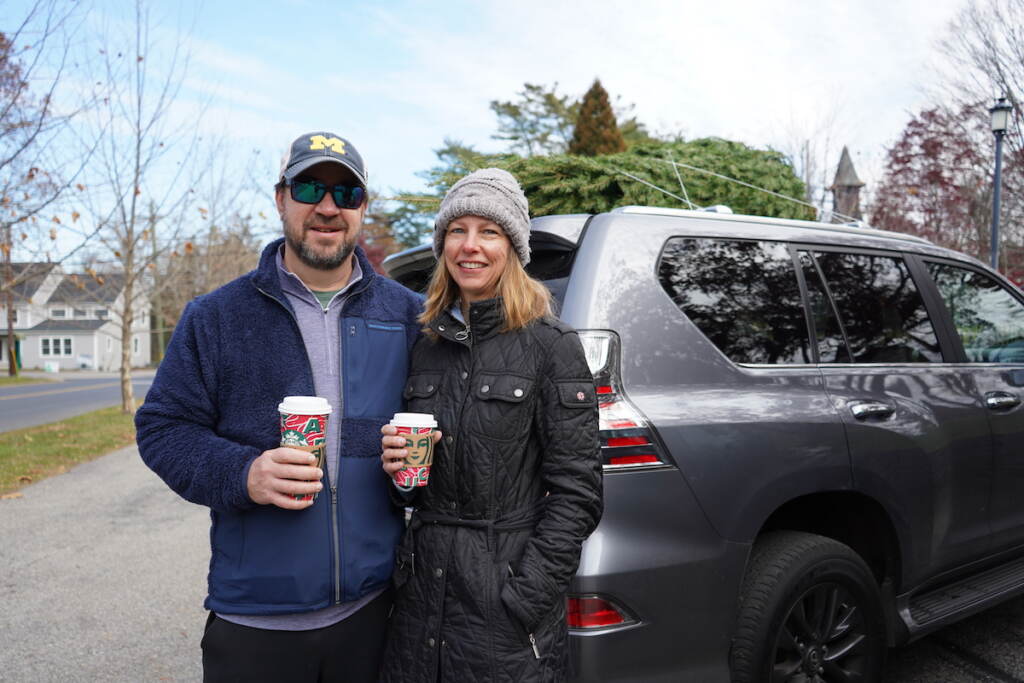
x,y
627,441
591,611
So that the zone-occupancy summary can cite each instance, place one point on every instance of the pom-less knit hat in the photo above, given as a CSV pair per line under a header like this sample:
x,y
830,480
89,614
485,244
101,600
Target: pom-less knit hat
x,y
493,194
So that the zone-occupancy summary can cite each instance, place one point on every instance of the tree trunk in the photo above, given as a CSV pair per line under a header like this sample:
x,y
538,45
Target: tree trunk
x,y
156,304
12,356
127,320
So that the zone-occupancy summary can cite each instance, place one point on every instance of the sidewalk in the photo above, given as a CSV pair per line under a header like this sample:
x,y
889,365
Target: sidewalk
x,y
104,577
85,374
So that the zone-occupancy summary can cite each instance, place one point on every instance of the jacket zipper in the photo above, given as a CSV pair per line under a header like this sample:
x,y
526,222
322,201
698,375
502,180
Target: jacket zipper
x,y
335,541
467,340
333,515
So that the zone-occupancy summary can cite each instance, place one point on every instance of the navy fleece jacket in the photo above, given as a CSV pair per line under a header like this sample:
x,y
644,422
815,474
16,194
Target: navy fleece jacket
x,y
212,409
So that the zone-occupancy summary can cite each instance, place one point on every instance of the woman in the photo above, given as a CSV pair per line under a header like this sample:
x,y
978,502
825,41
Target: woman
x,y
515,486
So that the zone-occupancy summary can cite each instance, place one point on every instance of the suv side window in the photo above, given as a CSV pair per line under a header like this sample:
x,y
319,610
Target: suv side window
x,y
743,295
988,318
880,308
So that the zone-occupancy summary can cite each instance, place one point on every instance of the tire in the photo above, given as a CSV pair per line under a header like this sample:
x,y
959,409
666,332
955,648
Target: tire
x,y
809,612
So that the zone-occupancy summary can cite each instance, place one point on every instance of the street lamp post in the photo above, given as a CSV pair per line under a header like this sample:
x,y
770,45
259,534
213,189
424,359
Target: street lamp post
x,y
1000,122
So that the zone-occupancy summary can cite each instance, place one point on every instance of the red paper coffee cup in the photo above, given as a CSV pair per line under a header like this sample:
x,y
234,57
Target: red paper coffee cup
x,y
418,430
304,426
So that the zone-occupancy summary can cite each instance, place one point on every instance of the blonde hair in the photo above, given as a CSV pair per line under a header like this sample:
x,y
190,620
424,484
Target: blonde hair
x,y
524,299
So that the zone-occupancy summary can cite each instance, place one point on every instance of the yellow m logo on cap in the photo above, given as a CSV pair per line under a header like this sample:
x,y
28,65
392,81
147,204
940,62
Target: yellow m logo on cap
x,y
318,142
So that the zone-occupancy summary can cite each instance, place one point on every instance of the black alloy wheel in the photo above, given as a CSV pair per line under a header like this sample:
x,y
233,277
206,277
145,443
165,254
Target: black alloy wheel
x,y
822,638
809,613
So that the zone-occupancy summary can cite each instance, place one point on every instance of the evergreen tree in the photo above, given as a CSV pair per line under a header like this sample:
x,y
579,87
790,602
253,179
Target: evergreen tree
x,y
566,183
577,184
596,131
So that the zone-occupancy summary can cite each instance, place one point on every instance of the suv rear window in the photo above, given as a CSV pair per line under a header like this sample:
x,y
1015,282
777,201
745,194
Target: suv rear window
x,y
551,262
742,294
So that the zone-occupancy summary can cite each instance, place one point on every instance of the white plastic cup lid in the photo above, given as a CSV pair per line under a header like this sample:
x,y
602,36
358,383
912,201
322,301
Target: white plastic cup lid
x,y
418,420
304,405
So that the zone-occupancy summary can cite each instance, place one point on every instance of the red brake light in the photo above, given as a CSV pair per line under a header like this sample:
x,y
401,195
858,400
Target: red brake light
x,y
615,442
627,440
634,460
592,613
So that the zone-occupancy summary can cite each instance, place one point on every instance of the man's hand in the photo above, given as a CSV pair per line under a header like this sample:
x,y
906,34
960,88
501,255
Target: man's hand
x,y
393,457
280,474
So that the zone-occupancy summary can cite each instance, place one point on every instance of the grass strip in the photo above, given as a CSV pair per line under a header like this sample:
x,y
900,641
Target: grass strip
x,y
7,380
33,453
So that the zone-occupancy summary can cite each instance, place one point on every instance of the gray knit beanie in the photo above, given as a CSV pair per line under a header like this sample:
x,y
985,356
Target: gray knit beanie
x,y
493,194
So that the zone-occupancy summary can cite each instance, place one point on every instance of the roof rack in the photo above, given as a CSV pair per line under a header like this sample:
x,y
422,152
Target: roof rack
x,y
797,223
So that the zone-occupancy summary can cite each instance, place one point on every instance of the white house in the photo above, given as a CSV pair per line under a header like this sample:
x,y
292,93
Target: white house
x,y
71,320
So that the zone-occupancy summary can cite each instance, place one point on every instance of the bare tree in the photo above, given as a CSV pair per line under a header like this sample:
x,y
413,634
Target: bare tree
x,y
985,46
39,159
813,146
146,162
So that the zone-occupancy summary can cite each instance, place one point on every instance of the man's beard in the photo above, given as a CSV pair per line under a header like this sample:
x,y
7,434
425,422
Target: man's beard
x,y
314,259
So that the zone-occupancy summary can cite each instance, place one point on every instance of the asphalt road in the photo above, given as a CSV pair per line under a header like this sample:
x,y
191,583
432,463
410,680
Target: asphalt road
x,y
103,579
27,405
104,569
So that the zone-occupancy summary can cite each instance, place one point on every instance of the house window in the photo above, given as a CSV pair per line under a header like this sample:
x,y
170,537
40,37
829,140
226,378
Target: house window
x,y
57,312
55,346
109,340
80,313
101,313
135,345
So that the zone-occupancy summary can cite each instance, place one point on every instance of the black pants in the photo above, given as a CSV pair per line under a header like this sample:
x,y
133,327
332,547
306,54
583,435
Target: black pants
x,y
347,652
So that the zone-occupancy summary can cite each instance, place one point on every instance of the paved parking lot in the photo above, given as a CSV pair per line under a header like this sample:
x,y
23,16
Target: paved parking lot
x,y
104,574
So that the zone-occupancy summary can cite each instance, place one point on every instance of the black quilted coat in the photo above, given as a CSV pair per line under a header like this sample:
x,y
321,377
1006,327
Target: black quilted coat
x,y
514,490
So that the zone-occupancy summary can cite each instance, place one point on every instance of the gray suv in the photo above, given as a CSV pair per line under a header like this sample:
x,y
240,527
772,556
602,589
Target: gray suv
x,y
812,439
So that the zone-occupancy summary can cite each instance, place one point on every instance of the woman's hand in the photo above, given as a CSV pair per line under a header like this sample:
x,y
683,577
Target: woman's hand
x,y
394,451
393,457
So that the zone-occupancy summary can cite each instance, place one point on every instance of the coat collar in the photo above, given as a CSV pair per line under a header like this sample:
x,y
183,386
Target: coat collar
x,y
486,319
265,276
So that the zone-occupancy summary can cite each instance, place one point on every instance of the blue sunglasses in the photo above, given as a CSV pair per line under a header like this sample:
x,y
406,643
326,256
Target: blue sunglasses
x,y
309,191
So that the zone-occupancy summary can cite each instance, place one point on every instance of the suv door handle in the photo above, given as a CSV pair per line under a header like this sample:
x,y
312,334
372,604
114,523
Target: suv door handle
x,y
1001,400
862,410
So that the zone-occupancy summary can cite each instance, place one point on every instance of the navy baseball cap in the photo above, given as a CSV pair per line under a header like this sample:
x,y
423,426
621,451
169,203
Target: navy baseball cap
x,y
316,148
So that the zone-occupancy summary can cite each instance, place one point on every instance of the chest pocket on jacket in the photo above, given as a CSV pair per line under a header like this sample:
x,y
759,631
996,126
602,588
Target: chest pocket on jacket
x,y
421,392
502,405
375,362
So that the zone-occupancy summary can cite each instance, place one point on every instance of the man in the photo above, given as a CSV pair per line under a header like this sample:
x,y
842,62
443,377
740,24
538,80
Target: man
x,y
297,588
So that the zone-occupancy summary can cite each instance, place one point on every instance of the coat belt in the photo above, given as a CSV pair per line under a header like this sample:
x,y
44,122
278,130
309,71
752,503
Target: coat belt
x,y
517,520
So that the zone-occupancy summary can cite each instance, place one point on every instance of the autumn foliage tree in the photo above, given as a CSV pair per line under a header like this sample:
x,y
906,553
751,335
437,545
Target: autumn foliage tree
x,y
596,131
938,184
40,160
